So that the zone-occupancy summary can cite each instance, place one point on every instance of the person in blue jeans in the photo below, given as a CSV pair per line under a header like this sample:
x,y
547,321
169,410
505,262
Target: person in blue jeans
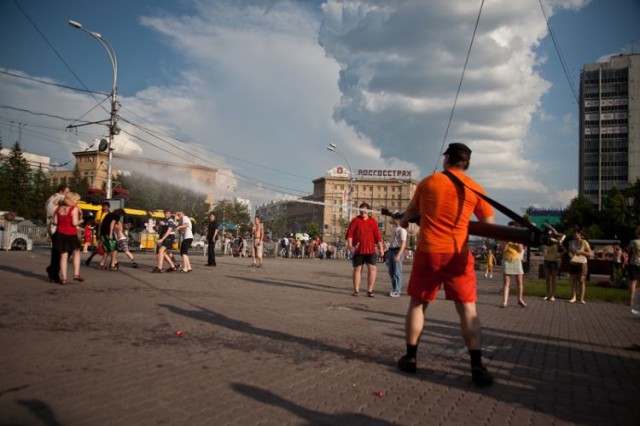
x,y
395,255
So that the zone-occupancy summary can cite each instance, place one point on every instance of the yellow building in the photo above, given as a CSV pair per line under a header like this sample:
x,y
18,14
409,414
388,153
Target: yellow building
x,y
379,188
332,205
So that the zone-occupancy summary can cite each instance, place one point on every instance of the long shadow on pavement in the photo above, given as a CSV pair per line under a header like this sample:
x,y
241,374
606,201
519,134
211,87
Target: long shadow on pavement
x,y
207,315
314,417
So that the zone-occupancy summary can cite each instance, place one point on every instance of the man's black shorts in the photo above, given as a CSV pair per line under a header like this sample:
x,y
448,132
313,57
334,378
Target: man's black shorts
x,y
361,259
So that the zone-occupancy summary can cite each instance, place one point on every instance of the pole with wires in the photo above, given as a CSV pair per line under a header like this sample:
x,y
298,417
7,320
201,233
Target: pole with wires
x,y
113,128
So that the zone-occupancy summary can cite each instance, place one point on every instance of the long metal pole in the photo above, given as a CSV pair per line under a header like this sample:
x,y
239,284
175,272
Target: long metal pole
x,y
334,148
114,106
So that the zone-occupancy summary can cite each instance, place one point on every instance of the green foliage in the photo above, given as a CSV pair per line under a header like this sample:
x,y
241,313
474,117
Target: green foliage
x,y
40,193
233,212
22,189
146,193
277,225
313,229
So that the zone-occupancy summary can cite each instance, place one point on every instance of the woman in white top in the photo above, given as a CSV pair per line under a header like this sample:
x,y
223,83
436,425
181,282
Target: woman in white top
x,y
579,251
185,229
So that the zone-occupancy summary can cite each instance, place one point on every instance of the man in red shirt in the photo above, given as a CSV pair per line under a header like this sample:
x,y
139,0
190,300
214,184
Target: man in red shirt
x,y
443,258
363,237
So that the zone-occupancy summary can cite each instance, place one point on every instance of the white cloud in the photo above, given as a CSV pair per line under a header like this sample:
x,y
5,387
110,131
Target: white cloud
x,y
274,84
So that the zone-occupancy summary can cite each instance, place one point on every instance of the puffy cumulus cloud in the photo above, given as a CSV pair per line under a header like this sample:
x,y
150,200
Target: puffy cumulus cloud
x,y
256,86
400,65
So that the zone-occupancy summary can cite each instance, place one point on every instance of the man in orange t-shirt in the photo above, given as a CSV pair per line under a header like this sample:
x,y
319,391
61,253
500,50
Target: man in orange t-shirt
x,y
443,257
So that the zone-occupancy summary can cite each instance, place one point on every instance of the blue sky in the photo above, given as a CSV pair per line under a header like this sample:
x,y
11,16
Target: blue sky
x,y
258,89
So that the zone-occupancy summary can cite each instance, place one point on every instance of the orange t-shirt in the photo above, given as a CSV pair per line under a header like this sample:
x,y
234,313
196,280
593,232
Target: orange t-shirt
x,y
445,211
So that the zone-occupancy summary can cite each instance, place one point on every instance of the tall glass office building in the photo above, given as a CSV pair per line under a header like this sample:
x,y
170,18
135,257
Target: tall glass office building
x,y
609,126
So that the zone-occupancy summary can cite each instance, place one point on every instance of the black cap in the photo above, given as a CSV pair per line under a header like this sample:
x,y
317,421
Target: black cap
x,y
458,150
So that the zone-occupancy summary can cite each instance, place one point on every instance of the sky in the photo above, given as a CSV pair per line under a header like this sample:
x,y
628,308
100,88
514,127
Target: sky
x,y
258,89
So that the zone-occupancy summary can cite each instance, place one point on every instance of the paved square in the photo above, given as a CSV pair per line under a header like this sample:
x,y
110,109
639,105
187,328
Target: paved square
x,y
288,344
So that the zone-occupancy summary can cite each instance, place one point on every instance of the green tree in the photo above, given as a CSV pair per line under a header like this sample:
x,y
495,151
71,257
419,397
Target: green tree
x,y
4,181
579,214
17,182
233,212
313,229
277,225
40,193
613,218
146,193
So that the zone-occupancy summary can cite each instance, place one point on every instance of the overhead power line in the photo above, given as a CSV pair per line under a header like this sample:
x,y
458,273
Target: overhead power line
x,y
464,69
559,53
48,83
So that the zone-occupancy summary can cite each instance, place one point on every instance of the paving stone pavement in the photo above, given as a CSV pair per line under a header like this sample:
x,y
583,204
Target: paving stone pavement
x,y
288,345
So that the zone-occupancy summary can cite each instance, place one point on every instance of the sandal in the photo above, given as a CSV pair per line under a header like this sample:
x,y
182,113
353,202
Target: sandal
x,y
370,294
102,267
355,294
78,278
156,270
63,282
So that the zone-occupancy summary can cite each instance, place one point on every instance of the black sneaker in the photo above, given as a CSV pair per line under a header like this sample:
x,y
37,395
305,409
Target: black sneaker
x,y
407,364
481,377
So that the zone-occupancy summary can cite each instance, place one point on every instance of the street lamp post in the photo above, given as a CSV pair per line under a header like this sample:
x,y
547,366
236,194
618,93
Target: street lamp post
x,y
113,128
333,148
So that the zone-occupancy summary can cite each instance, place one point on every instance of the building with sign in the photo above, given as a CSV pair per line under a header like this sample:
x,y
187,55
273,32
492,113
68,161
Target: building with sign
x,y
336,197
609,126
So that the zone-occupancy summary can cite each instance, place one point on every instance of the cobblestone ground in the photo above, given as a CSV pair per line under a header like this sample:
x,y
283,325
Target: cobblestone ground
x,y
288,344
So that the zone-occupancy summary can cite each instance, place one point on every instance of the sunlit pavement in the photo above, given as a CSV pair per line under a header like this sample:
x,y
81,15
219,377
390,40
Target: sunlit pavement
x,y
288,344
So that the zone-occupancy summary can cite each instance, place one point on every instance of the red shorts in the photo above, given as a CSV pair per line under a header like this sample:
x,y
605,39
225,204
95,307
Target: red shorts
x,y
432,270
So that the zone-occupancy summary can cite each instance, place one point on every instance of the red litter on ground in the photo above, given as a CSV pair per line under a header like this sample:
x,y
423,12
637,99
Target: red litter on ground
x,y
180,333
380,394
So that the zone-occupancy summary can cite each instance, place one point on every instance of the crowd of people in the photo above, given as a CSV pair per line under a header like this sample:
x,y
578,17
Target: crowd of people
x,y
444,203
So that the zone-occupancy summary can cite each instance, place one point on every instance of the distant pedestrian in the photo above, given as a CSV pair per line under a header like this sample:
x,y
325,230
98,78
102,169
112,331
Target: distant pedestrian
x,y
106,207
579,252
633,267
258,243
52,204
491,263
512,266
123,243
165,243
395,255
184,227
109,241
67,219
212,236
87,237
550,254
365,243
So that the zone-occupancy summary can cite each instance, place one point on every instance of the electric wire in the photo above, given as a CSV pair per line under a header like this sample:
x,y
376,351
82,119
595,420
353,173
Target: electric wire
x,y
48,83
464,69
203,150
563,63
44,37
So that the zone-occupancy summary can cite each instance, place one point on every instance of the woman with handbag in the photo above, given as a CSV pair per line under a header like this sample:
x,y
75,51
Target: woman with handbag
x,y
579,252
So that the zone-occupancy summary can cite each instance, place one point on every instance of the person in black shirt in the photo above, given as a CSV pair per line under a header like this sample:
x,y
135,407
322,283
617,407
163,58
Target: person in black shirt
x,y
109,238
212,236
